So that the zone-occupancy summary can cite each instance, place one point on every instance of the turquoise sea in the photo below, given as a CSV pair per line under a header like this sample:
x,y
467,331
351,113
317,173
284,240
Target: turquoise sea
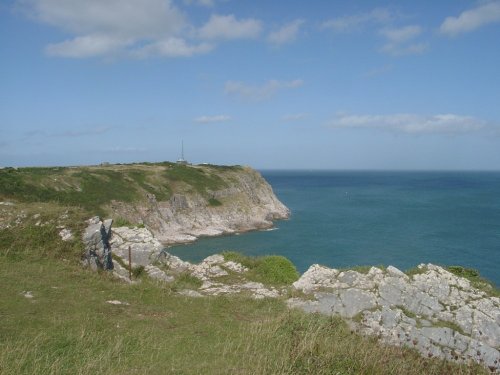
x,y
342,219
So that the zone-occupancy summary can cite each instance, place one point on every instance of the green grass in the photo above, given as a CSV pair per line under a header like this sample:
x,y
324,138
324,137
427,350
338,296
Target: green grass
x,y
451,325
271,269
162,191
408,313
198,178
69,328
362,269
475,278
214,202
416,271
185,281
94,188
122,222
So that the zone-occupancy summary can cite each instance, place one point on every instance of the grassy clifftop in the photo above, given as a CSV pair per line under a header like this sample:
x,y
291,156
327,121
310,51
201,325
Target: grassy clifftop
x,y
95,186
56,319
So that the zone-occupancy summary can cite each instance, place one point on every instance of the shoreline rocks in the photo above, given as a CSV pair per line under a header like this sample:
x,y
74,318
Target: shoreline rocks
x,y
436,312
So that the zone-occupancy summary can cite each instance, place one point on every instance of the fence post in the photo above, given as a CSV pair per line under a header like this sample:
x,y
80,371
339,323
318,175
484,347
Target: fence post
x,y
129,263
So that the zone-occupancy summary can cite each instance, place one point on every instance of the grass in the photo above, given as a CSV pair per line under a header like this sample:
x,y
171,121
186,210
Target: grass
x,y
362,269
122,222
186,281
93,188
69,328
214,202
416,271
408,313
475,279
274,270
198,178
451,325
89,189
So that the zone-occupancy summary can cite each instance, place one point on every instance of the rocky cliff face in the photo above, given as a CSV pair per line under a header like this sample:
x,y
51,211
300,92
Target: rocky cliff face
x,y
244,201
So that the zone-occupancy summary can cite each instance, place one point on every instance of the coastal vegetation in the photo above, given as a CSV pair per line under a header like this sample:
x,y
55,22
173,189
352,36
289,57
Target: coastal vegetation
x,y
57,317
94,187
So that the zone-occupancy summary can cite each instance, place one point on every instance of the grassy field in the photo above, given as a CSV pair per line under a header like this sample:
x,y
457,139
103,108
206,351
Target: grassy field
x,y
68,327
92,188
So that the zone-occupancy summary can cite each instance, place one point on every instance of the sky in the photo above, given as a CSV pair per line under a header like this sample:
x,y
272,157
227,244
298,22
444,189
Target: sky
x,y
283,84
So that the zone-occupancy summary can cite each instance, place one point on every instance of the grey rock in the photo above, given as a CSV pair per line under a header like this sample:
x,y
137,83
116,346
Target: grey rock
x,y
393,271
96,239
66,234
409,312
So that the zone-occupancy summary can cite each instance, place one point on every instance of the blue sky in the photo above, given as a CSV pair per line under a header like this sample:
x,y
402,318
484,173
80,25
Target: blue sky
x,y
271,84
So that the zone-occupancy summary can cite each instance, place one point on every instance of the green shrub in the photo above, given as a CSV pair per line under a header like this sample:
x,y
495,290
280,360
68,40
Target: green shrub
x,y
269,269
137,271
276,269
475,278
214,202
121,222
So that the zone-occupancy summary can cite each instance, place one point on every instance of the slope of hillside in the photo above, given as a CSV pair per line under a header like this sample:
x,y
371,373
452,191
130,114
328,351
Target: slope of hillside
x,y
177,202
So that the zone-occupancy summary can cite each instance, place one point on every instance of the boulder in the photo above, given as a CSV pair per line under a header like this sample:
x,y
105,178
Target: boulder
x,y
96,239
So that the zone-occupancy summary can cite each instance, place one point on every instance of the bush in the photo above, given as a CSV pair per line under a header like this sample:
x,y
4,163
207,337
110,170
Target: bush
x,y
121,222
269,269
276,269
214,202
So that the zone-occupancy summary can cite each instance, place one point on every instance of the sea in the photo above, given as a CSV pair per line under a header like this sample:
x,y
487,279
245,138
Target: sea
x,y
342,219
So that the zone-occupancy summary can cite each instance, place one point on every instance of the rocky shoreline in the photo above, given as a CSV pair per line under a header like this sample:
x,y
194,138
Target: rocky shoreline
x,y
433,311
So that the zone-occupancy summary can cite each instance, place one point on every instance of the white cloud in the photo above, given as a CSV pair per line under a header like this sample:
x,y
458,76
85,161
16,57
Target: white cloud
x,y
172,47
399,41
119,18
402,34
472,19
294,117
286,34
260,92
357,21
228,27
212,119
87,46
410,123
402,50
114,28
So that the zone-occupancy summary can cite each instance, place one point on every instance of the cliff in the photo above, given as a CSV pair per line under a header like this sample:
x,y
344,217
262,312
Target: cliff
x,y
240,200
178,203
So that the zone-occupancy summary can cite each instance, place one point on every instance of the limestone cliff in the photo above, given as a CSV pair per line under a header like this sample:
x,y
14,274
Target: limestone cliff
x,y
241,201
177,202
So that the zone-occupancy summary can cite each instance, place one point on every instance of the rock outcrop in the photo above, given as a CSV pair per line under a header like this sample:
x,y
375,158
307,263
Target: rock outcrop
x,y
434,311
148,252
246,202
97,248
